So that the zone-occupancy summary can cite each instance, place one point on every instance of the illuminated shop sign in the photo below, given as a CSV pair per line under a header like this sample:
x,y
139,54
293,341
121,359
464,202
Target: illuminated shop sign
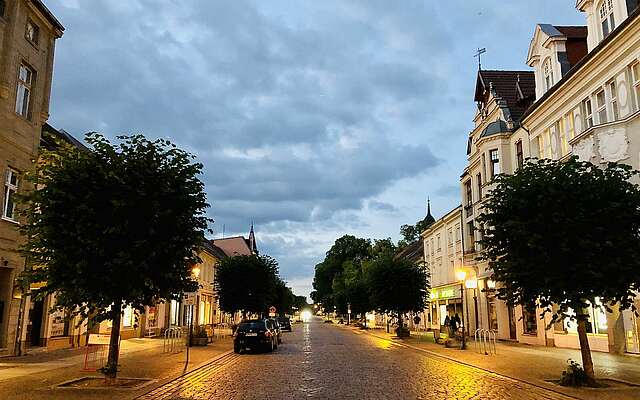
x,y
446,292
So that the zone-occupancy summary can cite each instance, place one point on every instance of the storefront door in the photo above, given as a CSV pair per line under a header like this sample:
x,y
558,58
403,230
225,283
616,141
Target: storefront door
x,y
35,322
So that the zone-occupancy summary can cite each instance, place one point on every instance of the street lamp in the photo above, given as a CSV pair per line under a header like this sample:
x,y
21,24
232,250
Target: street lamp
x,y
461,275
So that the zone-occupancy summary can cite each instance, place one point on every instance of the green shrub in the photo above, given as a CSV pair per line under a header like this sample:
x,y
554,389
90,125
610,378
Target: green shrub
x,y
574,375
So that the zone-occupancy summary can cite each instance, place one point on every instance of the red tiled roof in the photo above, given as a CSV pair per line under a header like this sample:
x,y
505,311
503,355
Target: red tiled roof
x,y
505,84
233,246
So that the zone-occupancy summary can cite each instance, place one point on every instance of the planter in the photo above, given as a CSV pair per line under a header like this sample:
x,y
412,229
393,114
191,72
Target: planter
x,y
199,341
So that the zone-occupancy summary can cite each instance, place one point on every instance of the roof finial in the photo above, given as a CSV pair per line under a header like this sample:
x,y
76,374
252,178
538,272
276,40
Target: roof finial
x,y
479,53
428,206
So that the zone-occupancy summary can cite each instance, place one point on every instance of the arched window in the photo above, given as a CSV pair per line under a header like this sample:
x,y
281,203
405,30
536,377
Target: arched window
x,y
606,17
547,69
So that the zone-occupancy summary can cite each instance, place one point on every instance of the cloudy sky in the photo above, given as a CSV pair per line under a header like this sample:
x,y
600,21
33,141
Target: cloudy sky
x,y
312,118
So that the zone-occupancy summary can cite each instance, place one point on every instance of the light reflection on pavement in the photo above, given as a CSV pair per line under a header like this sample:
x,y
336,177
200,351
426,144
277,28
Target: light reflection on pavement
x,y
322,361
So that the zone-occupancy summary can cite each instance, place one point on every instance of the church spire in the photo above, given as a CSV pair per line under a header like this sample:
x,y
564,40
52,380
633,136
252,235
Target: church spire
x,y
252,240
428,220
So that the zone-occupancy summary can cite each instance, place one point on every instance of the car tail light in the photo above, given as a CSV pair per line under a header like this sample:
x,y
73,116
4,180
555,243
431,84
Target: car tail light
x,y
268,333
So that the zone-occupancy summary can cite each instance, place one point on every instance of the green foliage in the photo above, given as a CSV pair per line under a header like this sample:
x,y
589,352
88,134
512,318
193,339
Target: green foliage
x,y
118,224
411,233
283,299
247,283
328,280
563,233
396,286
574,375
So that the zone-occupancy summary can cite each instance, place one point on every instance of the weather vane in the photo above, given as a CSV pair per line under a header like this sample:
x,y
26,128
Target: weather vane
x,y
479,54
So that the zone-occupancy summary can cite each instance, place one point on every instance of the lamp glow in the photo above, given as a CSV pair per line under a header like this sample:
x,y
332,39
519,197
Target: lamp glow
x,y
195,271
305,315
491,284
460,275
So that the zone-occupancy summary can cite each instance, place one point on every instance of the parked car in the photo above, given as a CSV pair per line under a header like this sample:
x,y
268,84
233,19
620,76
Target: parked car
x,y
259,334
276,328
285,323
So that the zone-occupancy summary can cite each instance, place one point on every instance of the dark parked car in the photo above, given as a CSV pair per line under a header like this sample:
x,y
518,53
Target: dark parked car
x,y
285,323
256,334
276,327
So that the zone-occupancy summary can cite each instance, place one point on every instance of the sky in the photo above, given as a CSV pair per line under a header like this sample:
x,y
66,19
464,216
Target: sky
x,y
313,119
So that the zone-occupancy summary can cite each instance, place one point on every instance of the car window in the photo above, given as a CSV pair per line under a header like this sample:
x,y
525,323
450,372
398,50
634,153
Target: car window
x,y
251,326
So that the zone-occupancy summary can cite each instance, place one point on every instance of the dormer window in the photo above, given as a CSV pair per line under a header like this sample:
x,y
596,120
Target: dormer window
x,y
548,74
607,19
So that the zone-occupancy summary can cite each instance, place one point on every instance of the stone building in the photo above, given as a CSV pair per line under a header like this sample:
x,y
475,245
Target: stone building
x,y
581,98
28,31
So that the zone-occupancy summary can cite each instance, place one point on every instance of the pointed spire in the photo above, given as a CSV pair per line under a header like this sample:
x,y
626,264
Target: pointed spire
x,y
428,206
252,240
428,220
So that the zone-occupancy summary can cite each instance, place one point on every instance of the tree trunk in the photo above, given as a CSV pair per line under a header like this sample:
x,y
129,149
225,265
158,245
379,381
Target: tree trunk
x,y
400,325
111,369
587,362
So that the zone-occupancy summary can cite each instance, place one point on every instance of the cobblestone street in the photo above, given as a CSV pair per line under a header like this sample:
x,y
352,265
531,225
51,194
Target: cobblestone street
x,y
328,362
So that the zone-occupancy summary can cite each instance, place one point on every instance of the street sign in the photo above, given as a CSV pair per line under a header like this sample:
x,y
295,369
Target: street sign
x,y
272,311
189,299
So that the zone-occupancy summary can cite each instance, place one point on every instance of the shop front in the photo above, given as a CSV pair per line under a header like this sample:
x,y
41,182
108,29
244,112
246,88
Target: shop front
x,y
445,304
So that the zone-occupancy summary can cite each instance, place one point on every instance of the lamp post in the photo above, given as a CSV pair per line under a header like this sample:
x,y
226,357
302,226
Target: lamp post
x,y
473,284
460,275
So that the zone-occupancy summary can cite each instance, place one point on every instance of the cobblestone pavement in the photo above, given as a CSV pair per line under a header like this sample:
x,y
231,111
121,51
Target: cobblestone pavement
x,y
321,361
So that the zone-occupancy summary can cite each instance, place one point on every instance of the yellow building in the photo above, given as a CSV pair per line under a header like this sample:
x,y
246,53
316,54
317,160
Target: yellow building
x,y
28,31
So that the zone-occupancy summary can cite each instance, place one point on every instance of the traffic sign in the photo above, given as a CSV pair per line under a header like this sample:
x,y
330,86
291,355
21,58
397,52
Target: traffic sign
x,y
272,311
189,299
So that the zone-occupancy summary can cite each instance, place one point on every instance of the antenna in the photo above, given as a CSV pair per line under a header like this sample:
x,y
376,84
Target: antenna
x,y
479,54
223,229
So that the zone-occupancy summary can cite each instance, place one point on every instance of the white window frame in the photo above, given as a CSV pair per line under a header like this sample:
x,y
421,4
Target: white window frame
x,y
612,91
587,112
11,185
607,19
547,70
495,162
601,106
635,79
24,91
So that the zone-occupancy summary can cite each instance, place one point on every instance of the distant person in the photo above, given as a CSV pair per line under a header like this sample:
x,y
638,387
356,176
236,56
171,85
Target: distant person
x,y
447,324
454,324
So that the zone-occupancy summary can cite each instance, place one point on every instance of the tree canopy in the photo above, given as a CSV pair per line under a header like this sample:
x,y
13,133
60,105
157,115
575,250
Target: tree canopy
x,y
248,283
113,226
560,234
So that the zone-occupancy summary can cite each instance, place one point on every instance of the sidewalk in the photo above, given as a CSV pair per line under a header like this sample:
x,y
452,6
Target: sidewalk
x,y
35,376
536,365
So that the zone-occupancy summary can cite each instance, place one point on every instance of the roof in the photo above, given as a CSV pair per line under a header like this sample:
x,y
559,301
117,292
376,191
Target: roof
x,y
495,128
213,249
51,134
515,88
632,17
413,252
573,32
48,14
233,246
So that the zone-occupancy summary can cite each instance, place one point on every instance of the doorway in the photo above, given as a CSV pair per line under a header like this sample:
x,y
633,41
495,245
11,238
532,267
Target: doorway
x,y
34,328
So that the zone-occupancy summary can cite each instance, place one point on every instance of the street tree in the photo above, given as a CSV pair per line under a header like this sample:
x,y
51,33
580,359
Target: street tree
x,y
283,299
564,235
115,225
247,283
396,286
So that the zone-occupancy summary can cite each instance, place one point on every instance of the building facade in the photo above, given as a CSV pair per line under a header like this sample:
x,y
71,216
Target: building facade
x,y
581,98
28,31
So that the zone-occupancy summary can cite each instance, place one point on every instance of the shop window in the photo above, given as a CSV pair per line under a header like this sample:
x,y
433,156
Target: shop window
x,y
59,323
175,313
596,322
529,320
493,314
10,191
128,317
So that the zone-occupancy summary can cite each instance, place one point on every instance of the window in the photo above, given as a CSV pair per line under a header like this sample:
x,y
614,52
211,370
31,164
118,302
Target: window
x,y
569,126
635,75
548,74
23,95
519,154
32,32
438,242
2,6
601,106
613,100
467,186
562,133
529,320
495,162
479,183
10,191
606,18
540,143
587,111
